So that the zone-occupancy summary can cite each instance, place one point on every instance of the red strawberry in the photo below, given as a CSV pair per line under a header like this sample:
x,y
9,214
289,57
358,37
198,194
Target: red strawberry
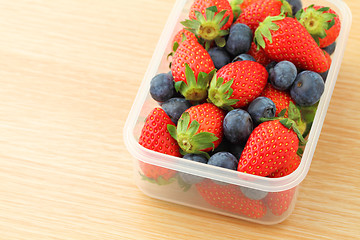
x,y
328,57
257,12
238,6
290,166
270,145
183,35
192,69
210,21
200,128
259,55
321,22
279,202
284,38
156,137
230,198
281,99
237,84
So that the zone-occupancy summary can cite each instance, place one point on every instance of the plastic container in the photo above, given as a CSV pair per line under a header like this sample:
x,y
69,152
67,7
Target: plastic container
x,y
219,186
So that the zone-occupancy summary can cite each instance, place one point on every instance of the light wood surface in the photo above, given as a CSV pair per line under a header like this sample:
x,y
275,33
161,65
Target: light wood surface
x,y
69,72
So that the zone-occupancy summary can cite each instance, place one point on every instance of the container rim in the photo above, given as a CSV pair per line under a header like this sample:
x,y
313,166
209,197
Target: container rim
x,y
220,174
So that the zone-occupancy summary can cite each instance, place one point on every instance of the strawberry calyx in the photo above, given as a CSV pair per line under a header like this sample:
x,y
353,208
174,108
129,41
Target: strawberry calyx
x,y
263,31
235,6
188,138
208,27
286,8
159,181
315,21
293,121
220,93
195,89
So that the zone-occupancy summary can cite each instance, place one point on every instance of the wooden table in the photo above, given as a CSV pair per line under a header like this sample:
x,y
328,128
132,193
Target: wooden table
x,y
69,72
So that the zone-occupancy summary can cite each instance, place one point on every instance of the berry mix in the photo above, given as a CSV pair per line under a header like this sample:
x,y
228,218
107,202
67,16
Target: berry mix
x,y
242,91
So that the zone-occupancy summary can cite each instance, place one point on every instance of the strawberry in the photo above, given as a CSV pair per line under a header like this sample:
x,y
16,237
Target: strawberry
x,y
230,198
321,22
200,129
284,38
210,21
257,12
238,6
192,69
281,99
236,84
279,202
271,144
183,35
155,136
290,166
259,55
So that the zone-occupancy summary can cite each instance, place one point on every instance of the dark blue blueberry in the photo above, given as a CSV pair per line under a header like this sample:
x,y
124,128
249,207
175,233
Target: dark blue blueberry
x,y
174,107
253,193
307,88
244,57
269,68
219,56
189,178
324,75
237,126
283,75
239,39
224,160
162,87
296,5
330,49
236,150
224,146
261,107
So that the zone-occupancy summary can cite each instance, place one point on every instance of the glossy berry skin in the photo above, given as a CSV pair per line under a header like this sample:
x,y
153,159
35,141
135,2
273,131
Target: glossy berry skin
x,y
192,53
230,198
239,39
244,57
279,202
155,136
258,11
290,166
210,119
307,88
174,107
219,56
330,49
162,87
261,107
189,178
283,75
238,126
293,43
224,160
249,80
281,99
268,148
259,55
183,35
201,5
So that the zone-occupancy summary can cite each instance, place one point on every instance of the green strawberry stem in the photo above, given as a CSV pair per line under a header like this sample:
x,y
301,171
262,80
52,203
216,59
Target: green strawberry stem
x,y
286,8
159,181
316,21
208,28
220,93
187,137
195,89
263,31
294,121
235,6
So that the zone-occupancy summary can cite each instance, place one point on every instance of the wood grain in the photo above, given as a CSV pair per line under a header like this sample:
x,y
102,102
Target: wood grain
x,y
69,72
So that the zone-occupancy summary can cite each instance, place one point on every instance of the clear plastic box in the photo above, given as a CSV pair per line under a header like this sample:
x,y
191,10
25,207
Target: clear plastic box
x,y
214,177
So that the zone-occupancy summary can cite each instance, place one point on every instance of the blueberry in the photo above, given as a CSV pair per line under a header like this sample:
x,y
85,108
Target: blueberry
x,y
162,87
224,146
296,5
269,68
224,160
324,75
244,57
239,39
283,75
174,107
237,126
219,56
330,49
189,178
236,150
307,88
261,107
253,193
